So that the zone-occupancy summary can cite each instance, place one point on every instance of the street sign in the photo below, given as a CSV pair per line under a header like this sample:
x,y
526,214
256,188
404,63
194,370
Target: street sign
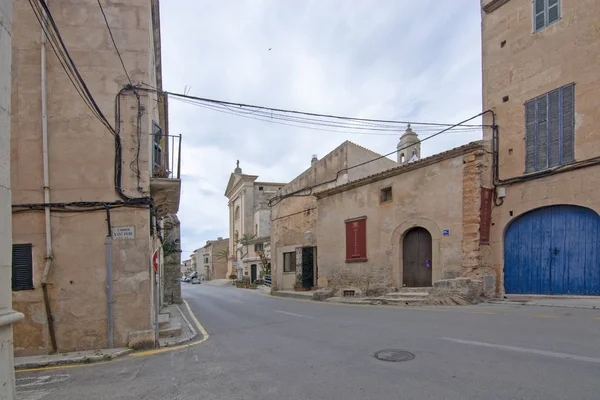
x,y
446,232
123,232
155,261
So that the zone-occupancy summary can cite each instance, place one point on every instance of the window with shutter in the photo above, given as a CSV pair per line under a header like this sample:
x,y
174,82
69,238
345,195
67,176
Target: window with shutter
x,y
545,12
22,267
550,129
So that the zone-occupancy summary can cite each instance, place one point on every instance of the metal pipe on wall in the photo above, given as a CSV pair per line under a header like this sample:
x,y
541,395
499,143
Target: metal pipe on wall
x,y
109,293
46,164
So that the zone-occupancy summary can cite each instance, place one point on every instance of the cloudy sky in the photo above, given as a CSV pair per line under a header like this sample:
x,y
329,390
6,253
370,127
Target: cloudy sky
x,y
409,60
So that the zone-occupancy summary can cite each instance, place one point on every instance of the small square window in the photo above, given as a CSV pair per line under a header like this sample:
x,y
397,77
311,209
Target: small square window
x,y
289,262
386,195
258,247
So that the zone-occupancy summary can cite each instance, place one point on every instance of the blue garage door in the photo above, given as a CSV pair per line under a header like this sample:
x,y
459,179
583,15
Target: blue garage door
x,y
553,250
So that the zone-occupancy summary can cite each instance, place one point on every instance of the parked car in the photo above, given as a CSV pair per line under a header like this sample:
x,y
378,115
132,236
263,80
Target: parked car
x,y
195,281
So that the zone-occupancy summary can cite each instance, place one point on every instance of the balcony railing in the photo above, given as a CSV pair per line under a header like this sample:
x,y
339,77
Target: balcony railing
x,y
165,182
166,156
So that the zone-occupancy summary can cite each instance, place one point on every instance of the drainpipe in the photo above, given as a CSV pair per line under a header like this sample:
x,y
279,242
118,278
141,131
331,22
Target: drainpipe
x,y
109,293
49,255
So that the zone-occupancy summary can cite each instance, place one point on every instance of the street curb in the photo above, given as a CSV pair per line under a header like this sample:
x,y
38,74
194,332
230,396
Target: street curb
x,y
291,296
186,339
525,303
70,361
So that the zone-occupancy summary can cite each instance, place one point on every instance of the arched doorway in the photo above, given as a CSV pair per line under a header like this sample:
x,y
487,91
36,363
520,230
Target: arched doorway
x,y
553,250
416,258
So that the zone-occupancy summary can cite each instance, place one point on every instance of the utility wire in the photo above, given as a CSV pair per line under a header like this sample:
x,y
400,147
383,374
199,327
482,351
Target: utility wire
x,y
308,125
304,113
114,43
300,192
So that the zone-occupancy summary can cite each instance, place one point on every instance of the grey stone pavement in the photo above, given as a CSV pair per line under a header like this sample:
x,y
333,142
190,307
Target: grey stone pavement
x,y
263,347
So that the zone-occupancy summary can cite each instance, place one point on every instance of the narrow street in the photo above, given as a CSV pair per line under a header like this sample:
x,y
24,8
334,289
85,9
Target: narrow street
x,y
270,348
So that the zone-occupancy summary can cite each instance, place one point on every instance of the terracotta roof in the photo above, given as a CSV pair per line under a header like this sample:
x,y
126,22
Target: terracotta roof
x,y
402,168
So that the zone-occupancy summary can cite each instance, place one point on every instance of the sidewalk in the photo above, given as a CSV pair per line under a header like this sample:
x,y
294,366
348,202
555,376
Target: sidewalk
x,y
78,357
590,302
174,329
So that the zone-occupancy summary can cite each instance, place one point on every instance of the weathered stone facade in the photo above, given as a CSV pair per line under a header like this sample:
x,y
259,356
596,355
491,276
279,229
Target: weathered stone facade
x,y
248,215
81,160
519,65
172,260
294,217
439,193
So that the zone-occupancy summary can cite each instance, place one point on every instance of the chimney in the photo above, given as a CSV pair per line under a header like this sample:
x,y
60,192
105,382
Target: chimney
x,y
314,159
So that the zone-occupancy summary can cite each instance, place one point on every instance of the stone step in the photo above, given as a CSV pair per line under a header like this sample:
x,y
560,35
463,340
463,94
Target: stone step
x,y
171,331
404,295
163,320
414,289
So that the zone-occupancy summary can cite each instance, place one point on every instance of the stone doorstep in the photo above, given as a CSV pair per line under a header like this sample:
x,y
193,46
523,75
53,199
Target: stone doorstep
x,y
405,295
414,289
78,357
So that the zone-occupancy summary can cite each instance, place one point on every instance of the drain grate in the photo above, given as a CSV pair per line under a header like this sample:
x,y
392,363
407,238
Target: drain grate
x,y
394,355
349,293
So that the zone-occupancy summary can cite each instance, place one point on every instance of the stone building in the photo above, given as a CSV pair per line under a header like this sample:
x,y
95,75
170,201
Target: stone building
x,y
214,259
540,77
404,227
7,315
294,211
249,217
89,193
186,267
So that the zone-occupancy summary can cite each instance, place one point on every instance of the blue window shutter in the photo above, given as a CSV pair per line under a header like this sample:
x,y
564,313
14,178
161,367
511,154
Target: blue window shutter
x,y
530,136
568,122
542,133
553,128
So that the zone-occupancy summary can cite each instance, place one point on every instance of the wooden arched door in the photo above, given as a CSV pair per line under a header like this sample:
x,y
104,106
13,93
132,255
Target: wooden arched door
x,y
416,258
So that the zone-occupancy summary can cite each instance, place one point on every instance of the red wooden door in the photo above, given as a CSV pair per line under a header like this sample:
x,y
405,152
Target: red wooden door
x,y
416,258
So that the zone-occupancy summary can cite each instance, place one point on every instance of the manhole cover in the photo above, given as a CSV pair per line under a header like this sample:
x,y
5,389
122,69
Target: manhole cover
x,y
393,355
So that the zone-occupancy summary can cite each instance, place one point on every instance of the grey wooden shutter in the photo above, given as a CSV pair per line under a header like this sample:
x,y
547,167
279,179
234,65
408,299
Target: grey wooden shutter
x,y
553,128
568,123
530,136
540,15
542,133
553,11
22,267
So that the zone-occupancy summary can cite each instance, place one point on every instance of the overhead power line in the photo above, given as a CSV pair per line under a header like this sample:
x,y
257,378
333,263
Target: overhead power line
x,y
114,43
321,125
278,112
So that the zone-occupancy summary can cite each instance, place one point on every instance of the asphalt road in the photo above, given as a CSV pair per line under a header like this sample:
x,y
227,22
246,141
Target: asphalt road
x,y
270,348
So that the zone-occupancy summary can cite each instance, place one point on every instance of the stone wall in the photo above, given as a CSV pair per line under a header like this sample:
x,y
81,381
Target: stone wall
x,y
294,219
519,65
172,261
81,160
429,194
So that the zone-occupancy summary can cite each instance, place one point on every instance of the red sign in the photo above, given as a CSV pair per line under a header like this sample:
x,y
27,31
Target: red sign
x,y
356,240
485,216
155,261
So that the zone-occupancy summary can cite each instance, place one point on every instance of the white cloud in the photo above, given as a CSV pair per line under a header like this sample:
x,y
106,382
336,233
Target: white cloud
x,y
388,59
